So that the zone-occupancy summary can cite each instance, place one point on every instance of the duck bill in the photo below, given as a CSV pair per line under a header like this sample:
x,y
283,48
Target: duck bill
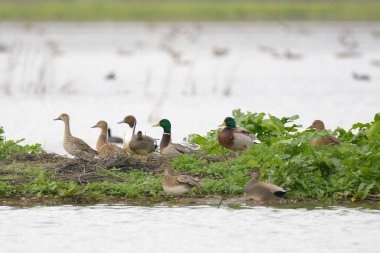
x,y
222,125
94,126
310,127
121,122
156,125
57,119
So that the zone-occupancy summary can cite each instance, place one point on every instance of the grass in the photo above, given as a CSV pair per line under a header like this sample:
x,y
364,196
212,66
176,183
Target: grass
x,y
347,172
170,10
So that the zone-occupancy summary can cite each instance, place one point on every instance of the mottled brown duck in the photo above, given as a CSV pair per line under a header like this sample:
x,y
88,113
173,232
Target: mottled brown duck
x,y
106,149
140,144
75,146
235,138
167,148
325,140
262,191
177,185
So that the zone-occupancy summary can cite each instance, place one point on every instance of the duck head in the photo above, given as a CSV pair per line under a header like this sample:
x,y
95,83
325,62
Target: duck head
x,y
228,122
318,124
130,120
101,124
165,124
139,135
255,173
64,117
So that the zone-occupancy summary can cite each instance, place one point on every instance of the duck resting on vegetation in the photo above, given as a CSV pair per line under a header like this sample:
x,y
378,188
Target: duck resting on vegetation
x,y
262,191
167,148
177,185
114,139
140,144
326,140
235,138
104,148
75,146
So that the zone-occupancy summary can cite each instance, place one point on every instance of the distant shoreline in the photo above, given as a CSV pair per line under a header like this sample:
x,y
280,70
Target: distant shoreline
x,y
113,10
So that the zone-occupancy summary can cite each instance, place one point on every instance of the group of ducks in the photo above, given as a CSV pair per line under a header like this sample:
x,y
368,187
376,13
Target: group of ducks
x,y
231,137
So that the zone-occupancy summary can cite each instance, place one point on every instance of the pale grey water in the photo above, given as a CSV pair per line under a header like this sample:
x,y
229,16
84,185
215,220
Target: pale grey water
x,y
115,229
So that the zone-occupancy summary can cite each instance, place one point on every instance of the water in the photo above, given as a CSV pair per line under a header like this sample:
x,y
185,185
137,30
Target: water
x,y
187,229
50,68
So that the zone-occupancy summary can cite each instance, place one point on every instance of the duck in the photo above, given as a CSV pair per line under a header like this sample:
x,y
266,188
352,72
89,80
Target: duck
x,y
320,141
167,148
177,185
140,144
262,191
235,138
73,145
114,139
106,149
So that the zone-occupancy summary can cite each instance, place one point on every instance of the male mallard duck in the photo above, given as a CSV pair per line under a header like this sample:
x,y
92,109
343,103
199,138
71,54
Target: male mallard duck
x,y
104,148
139,144
262,191
235,138
75,146
177,185
167,148
326,140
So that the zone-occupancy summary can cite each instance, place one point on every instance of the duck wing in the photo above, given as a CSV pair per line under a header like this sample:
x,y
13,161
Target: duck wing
x,y
273,188
242,130
333,140
83,146
181,149
185,179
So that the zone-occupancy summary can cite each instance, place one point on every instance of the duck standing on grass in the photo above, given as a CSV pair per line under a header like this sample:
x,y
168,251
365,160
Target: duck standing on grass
x,y
262,191
105,149
167,148
140,144
326,140
177,185
75,146
235,138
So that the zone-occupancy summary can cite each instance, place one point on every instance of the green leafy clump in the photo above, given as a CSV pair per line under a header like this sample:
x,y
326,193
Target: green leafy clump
x,y
10,147
286,158
138,184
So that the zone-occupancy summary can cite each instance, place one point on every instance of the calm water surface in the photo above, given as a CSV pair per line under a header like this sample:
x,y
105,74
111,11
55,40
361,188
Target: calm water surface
x,y
187,229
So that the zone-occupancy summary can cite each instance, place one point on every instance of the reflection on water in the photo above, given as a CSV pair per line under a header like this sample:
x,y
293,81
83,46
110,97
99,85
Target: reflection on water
x,y
104,228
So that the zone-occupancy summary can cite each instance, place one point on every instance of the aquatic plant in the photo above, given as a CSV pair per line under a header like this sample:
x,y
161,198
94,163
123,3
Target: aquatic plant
x,y
285,157
11,147
350,170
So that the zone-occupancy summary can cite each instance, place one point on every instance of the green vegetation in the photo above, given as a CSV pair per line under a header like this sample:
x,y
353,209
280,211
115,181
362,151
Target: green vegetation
x,y
349,171
188,10
286,158
9,147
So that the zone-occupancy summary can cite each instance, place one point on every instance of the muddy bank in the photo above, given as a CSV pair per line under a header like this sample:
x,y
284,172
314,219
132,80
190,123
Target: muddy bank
x,y
233,202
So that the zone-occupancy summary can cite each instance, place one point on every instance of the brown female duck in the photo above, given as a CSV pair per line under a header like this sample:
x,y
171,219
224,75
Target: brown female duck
x,y
140,144
325,140
235,138
167,148
177,185
75,146
262,191
105,149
